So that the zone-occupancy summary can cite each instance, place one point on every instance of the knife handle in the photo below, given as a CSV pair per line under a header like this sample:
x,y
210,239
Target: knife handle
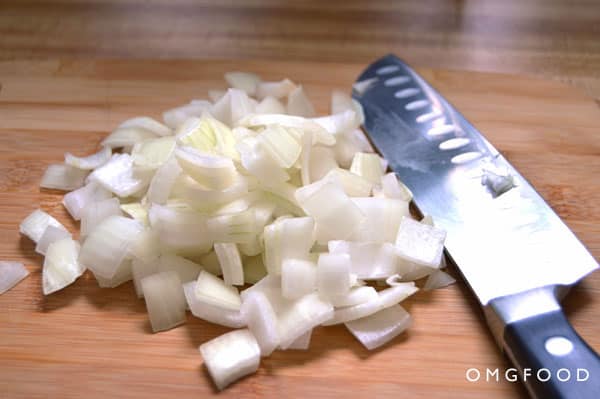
x,y
546,345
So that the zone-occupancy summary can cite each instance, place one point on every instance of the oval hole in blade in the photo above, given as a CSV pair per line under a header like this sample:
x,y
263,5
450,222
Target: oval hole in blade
x,y
411,91
396,81
387,69
418,104
441,129
465,157
454,143
428,116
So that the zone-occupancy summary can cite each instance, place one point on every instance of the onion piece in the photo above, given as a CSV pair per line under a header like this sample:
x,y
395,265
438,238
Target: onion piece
x,y
396,294
394,188
419,243
76,201
231,263
245,81
51,235
212,171
164,300
319,134
355,296
136,211
231,356
147,123
369,260
176,117
368,165
299,104
61,265
181,231
256,160
298,278
10,275
262,321
153,153
382,219
353,184
91,161
236,228
141,269
281,145
322,161
301,343
302,316
338,123
336,216
380,328
63,177
438,279
275,89
290,238
209,135
95,212
108,244
211,313
270,105
118,176
254,269
214,291
210,263
163,180
122,275
146,246
185,269
34,225
127,137
333,275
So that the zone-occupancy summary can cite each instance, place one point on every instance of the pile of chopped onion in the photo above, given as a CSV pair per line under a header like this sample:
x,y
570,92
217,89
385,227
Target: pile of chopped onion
x,y
251,212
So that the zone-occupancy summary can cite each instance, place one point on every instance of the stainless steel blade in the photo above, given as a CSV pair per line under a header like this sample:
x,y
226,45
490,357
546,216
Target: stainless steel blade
x,y
503,244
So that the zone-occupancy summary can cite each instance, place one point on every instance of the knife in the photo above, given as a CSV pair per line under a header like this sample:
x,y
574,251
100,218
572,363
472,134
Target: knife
x,y
515,253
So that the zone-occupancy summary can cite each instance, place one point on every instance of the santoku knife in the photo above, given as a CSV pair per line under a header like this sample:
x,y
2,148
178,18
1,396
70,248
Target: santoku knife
x,y
516,254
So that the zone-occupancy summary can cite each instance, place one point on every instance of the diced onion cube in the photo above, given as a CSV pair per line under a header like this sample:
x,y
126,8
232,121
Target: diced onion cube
x,y
164,300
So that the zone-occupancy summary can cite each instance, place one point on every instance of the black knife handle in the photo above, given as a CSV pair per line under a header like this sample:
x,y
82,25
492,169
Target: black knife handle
x,y
574,374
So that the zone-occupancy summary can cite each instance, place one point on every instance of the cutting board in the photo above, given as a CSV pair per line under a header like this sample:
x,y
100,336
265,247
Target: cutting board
x,y
85,341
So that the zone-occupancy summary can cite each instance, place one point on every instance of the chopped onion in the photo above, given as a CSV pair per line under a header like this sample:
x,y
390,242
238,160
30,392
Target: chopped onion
x,y
281,145
336,216
353,184
63,177
299,104
208,135
76,201
428,220
61,265
301,343
185,269
137,211
262,321
118,176
382,219
419,243
322,161
153,153
396,294
298,278
10,275
380,328
438,279
290,238
34,225
90,162
320,135
237,227
149,124
51,235
270,105
333,275
275,89
244,81
163,181
394,188
497,182
355,296
210,263
108,244
141,269
231,356
122,275
369,260
302,316
211,313
338,123
231,263
368,165
164,300
256,159
94,213
127,137
212,171
214,291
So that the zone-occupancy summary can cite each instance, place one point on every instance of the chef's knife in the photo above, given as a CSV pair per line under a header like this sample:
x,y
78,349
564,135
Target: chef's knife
x,y
515,253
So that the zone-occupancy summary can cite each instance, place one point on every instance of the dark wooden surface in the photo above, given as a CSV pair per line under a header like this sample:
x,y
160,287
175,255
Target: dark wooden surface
x,y
87,342
551,38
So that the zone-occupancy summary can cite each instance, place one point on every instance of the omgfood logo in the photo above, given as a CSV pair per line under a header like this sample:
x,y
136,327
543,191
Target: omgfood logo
x,y
542,375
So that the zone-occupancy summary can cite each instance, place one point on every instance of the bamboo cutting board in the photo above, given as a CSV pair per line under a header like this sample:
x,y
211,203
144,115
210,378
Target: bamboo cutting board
x,y
90,342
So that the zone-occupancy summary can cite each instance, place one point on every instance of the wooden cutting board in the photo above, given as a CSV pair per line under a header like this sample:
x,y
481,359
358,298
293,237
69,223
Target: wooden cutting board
x,y
90,342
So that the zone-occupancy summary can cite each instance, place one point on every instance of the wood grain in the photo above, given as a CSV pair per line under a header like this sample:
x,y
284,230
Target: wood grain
x,y
90,342
552,38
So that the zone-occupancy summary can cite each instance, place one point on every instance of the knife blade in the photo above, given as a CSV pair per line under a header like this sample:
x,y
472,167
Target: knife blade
x,y
514,252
